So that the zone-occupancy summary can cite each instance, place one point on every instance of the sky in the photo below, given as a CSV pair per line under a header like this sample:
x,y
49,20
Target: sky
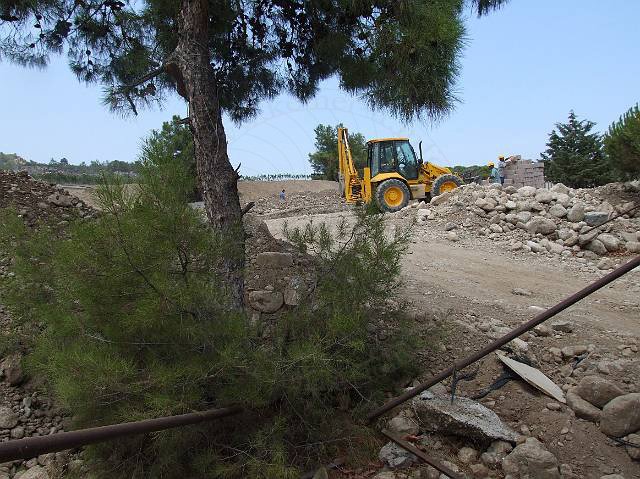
x,y
524,67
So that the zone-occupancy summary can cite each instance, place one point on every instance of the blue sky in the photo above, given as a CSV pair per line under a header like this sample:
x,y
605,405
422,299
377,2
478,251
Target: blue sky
x,y
524,68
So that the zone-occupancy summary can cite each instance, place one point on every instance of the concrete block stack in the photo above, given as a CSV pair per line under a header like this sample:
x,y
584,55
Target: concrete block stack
x,y
519,172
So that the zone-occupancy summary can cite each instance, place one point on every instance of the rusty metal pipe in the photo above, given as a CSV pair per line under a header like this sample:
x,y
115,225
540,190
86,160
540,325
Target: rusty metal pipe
x,y
34,446
549,313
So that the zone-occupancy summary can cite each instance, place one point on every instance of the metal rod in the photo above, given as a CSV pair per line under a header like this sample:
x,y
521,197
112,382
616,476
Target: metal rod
x,y
463,363
34,446
417,452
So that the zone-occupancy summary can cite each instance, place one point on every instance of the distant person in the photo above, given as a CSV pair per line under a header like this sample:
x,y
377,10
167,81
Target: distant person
x,y
494,176
502,164
282,195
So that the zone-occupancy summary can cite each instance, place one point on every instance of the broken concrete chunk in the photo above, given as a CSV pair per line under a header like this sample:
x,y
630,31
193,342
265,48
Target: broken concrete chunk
x,y
273,259
621,416
598,391
465,418
534,377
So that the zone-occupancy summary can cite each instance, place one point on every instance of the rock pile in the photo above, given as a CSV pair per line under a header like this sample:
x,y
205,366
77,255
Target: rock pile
x,y
37,201
559,221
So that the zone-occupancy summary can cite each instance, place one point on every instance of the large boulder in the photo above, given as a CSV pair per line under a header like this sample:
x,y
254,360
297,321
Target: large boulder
x,y
561,189
576,213
596,218
11,367
531,460
558,211
274,259
527,191
541,225
8,418
465,418
266,301
544,196
621,416
609,241
582,408
598,391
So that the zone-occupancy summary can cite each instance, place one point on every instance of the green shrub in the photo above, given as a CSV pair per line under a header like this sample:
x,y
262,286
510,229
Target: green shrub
x,y
134,325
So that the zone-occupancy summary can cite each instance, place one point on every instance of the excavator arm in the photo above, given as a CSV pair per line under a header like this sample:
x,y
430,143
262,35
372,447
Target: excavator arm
x,y
352,187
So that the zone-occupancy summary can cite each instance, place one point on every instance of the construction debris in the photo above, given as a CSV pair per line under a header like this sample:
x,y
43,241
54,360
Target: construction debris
x,y
534,377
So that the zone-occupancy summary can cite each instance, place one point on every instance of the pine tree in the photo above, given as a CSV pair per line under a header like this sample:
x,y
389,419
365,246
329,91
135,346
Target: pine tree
x,y
226,56
622,145
574,155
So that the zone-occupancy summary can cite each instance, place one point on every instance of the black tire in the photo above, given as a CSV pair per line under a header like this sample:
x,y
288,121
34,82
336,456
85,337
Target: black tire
x,y
383,192
442,180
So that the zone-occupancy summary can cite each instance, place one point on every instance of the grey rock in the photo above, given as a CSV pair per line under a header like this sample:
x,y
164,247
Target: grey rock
x,y
396,457
401,424
523,216
633,246
576,213
531,460
495,228
521,292
17,432
560,188
598,391
36,472
582,408
266,301
452,236
544,196
621,416
562,325
605,263
487,204
634,452
587,238
294,292
609,241
542,330
274,259
60,199
467,455
440,199
558,211
597,247
542,225
535,247
563,199
8,419
596,218
465,418
527,191
12,368
511,205
450,226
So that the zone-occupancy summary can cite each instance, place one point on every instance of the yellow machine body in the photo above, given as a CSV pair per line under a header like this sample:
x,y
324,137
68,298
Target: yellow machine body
x,y
398,175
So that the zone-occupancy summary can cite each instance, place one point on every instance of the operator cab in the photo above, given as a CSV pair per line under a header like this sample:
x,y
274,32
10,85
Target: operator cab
x,y
393,155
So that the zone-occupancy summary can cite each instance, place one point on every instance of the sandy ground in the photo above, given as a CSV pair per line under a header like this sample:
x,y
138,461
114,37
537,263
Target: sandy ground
x,y
249,190
460,285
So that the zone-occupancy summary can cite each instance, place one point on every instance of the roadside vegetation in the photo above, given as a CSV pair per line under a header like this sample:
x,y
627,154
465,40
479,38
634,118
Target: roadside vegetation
x,y
133,321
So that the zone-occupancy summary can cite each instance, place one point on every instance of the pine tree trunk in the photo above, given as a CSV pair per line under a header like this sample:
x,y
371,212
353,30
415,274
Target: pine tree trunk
x,y
190,66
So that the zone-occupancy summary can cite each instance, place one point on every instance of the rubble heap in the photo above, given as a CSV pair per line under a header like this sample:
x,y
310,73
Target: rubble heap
x,y
560,221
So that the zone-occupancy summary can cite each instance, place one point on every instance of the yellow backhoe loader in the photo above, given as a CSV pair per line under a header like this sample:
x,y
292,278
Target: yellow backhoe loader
x,y
393,174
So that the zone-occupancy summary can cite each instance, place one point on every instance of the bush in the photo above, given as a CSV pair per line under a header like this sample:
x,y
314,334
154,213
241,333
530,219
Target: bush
x,y
622,145
135,325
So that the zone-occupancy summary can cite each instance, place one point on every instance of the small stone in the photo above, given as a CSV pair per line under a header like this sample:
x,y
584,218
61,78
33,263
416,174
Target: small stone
x,y
596,218
597,247
450,226
610,242
521,292
542,330
479,471
582,408
541,225
35,472
395,456
467,455
531,460
562,325
634,452
8,419
403,425
633,246
553,406
558,211
452,236
17,432
576,213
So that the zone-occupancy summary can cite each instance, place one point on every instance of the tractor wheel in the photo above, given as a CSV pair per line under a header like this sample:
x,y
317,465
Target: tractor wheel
x,y
445,183
392,195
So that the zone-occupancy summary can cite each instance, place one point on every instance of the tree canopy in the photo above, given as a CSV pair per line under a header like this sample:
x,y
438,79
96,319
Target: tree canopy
x,y
574,155
398,55
622,144
324,160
